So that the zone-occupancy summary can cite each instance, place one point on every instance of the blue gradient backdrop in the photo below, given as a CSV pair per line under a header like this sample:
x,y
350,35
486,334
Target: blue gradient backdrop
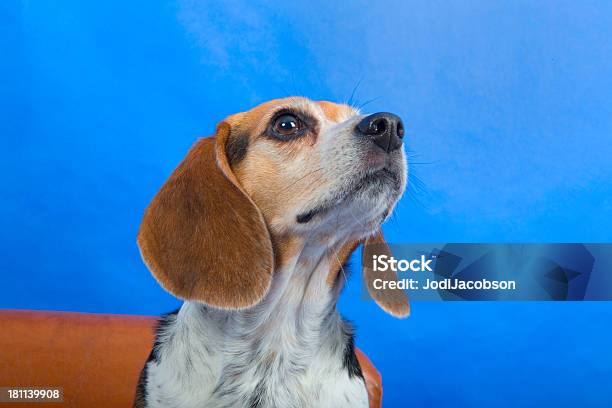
x,y
509,114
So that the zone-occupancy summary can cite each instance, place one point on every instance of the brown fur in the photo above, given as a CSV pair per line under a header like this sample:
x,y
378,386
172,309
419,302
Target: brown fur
x,y
392,301
214,232
202,237
269,173
339,259
334,111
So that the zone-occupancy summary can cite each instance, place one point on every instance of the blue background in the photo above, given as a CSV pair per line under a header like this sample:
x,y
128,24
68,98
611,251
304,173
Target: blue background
x,y
509,122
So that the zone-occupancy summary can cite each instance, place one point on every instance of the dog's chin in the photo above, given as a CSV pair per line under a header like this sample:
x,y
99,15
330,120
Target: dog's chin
x,y
368,201
375,199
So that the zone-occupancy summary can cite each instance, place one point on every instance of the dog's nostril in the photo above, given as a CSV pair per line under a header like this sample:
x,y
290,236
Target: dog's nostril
x,y
400,129
379,126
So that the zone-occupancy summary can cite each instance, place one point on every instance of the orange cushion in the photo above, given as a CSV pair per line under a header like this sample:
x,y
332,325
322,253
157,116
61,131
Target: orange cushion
x,y
96,358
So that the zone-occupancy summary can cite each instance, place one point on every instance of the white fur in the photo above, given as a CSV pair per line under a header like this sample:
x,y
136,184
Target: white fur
x,y
289,348
291,344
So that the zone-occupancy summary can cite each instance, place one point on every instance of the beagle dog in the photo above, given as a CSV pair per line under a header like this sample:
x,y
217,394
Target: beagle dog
x,y
252,230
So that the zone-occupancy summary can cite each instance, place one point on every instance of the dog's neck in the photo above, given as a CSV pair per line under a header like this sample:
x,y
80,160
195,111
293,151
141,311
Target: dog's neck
x,y
302,295
294,339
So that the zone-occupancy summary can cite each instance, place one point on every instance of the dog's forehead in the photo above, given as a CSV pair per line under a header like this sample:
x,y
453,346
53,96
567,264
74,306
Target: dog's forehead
x,y
322,110
337,112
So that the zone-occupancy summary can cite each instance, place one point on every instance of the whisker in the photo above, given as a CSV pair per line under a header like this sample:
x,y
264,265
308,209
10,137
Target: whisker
x,y
351,98
302,178
368,102
417,191
335,254
361,224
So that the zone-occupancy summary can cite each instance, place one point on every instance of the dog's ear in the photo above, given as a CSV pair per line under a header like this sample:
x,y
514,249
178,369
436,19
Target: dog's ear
x,y
202,237
392,301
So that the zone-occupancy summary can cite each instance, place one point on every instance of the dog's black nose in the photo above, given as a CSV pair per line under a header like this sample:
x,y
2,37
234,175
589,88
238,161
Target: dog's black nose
x,y
385,129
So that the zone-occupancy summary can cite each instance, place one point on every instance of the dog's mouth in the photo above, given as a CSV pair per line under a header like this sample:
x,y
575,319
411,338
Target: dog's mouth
x,y
381,177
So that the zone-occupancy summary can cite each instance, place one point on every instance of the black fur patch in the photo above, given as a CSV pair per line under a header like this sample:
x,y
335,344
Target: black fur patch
x,y
257,397
236,148
304,218
141,389
162,324
349,360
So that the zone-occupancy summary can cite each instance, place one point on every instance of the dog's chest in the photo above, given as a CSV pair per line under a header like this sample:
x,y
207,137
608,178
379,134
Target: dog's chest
x,y
288,361
289,351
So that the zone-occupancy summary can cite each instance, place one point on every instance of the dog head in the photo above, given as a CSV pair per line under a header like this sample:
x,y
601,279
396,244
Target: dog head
x,y
287,168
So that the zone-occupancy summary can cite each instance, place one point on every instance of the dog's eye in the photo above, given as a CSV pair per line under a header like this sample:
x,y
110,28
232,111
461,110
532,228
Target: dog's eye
x,y
287,125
